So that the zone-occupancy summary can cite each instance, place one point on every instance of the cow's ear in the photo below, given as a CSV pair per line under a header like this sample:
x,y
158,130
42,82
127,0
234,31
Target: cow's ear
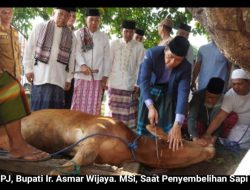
x,y
157,132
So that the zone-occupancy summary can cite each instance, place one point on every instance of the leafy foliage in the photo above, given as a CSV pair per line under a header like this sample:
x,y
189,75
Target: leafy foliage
x,y
23,17
147,18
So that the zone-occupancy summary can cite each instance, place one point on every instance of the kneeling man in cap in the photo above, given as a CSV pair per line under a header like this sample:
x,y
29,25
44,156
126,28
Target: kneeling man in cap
x,y
203,108
236,100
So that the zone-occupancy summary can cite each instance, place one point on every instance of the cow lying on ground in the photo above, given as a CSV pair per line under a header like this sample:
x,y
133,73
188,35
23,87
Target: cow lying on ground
x,y
54,129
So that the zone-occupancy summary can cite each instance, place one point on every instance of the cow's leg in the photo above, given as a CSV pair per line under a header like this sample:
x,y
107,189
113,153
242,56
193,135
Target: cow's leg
x,y
86,154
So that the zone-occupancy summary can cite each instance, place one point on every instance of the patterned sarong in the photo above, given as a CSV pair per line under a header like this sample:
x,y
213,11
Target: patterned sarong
x,y
123,106
13,102
47,96
164,104
87,96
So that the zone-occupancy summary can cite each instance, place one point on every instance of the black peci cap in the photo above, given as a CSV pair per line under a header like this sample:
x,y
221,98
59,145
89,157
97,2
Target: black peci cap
x,y
128,24
139,31
68,9
179,46
215,85
92,12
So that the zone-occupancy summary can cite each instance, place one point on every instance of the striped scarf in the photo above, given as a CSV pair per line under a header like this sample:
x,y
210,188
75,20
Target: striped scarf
x,y
45,40
86,38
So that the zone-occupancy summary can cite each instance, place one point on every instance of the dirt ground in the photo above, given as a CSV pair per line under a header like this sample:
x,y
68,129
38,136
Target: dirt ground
x,y
225,162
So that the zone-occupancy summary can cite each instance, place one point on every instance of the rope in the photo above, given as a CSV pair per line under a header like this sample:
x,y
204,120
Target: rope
x,y
76,171
131,146
234,146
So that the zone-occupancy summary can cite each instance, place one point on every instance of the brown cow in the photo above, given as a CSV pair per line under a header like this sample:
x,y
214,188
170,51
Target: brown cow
x,y
54,129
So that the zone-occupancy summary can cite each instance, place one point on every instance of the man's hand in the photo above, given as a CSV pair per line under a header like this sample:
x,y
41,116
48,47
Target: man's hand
x,y
136,91
207,139
174,137
67,86
104,83
30,77
200,141
152,115
86,70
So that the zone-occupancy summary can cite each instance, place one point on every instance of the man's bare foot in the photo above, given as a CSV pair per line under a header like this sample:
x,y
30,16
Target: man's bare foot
x,y
28,152
4,147
36,156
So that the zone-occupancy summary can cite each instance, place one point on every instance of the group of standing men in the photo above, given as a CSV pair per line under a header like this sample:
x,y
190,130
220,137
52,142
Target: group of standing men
x,y
90,59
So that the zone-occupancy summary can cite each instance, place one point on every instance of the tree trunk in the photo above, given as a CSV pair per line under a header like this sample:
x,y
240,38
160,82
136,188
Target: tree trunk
x,y
230,29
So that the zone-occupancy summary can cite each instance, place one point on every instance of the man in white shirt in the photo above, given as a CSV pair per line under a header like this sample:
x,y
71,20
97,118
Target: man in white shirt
x,y
126,56
49,60
184,30
236,100
93,65
164,31
139,36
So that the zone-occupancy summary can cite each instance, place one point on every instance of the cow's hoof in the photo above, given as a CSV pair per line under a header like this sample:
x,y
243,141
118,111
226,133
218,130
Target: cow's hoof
x,y
67,169
54,173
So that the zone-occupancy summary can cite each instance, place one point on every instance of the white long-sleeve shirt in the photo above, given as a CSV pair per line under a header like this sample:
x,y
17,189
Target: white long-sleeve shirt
x,y
53,72
97,58
126,59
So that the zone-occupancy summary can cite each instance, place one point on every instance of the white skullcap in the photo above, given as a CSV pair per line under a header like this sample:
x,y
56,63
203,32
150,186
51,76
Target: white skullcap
x,y
240,74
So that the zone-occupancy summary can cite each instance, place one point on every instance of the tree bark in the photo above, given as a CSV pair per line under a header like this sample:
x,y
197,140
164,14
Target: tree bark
x,y
230,29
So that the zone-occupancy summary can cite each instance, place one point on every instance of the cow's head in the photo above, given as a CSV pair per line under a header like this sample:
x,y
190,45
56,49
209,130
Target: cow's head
x,y
190,153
